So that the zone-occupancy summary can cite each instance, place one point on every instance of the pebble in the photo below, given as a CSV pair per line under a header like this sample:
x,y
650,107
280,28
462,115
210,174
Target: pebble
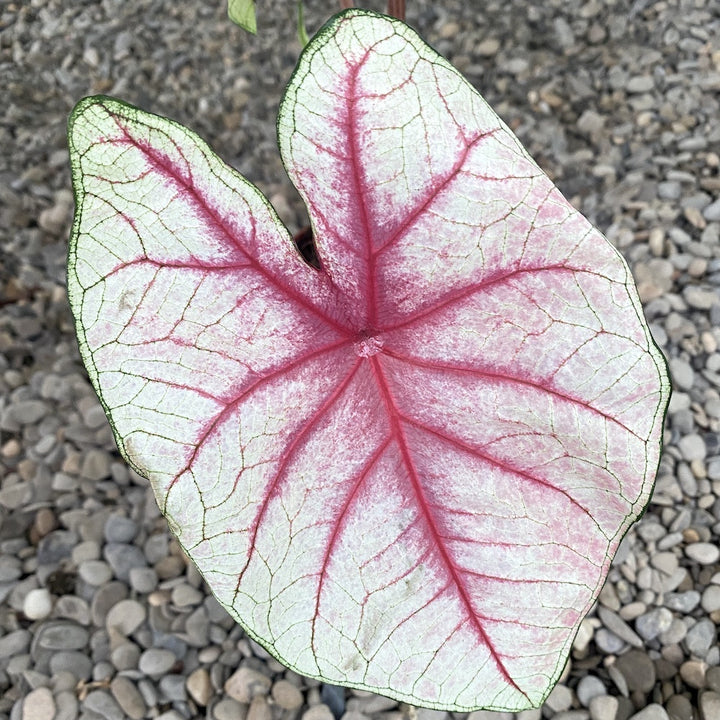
x,y
637,669
245,683
39,704
120,529
128,697
126,616
61,635
710,705
700,637
199,686
95,572
104,704
229,709
679,708
603,707
651,712
37,604
155,662
653,623
122,558
704,553
286,695
588,688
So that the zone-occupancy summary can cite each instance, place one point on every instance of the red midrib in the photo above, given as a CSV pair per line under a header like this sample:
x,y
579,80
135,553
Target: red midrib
x,y
439,542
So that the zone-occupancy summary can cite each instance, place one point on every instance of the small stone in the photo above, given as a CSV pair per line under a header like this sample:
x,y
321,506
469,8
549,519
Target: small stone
x,y
103,703
488,47
700,637
710,705
199,686
143,580
74,661
37,604
711,598
317,712
15,642
126,616
27,412
560,698
640,84
638,670
172,688
679,708
105,598
286,695
125,656
693,673
588,688
95,572
603,707
681,373
155,662
39,704
651,712
711,212
229,709
245,684
684,602
653,623
120,529
62,635
128,697
96,465
122,557
184,595
704,553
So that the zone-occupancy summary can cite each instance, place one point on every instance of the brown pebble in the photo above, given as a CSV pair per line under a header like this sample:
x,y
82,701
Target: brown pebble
x,y
286,695
259,709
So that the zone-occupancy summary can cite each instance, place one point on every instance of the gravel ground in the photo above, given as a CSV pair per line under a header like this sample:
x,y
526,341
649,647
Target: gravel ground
x,y
101,617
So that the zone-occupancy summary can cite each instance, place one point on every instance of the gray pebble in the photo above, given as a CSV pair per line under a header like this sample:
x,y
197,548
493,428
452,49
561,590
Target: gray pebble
x,y
588,688
679,708
95,572
78,663
72,608
120,529
619,627
711,212
637,669
126,616
96,465
24,412
143,579
684,602
156,662
56,546
704,553
15,642
172,687
125,656
61,635
105,598
122,558
652,623
228,709
700,637
711,598
103,703
681,373
608,642
184,595
603,707
651,712
128,697
560,698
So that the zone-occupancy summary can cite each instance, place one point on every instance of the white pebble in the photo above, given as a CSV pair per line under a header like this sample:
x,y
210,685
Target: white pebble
x,y
37,604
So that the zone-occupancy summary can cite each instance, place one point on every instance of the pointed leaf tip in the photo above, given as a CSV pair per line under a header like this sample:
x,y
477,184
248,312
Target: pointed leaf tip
x,y
242,13
408,470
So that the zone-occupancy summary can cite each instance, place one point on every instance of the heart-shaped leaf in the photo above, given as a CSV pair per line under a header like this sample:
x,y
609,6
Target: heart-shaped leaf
x,y
408,470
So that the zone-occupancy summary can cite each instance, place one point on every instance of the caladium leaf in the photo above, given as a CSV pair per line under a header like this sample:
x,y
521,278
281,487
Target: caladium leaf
x,y
407,470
